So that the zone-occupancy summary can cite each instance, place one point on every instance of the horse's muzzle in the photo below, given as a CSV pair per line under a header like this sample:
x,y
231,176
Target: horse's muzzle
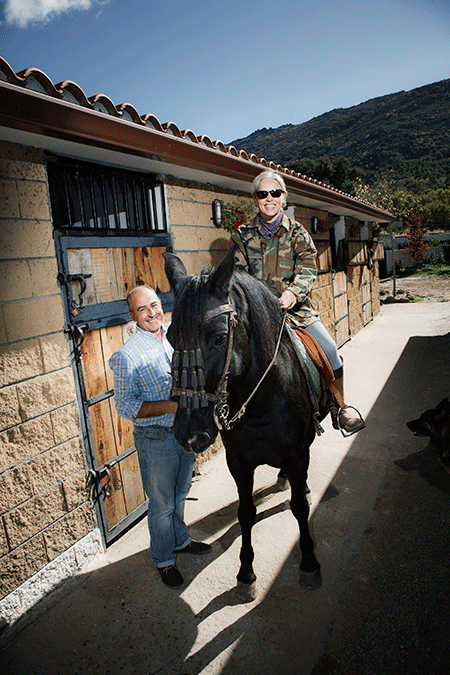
x,y
198,442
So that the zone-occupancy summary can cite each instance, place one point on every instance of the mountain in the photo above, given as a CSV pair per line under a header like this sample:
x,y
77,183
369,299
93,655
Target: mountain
x,y
407,133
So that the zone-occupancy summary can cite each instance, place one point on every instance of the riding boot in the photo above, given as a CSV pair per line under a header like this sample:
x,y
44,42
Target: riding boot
x,y
343,416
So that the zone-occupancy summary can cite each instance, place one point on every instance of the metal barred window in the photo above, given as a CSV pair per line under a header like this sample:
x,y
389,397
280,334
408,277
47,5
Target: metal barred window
x,y
104,200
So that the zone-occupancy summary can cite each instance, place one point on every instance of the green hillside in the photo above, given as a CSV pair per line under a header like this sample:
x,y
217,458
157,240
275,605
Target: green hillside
x,y
405,135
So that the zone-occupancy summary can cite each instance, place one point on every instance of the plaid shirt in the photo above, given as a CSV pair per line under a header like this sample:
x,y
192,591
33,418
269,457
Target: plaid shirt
x,y
142,372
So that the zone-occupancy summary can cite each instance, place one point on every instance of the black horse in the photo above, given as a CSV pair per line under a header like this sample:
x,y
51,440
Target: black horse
x,y
234,368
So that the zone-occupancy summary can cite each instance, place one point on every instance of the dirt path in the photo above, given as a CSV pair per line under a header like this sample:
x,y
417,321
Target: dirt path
x,y
431,288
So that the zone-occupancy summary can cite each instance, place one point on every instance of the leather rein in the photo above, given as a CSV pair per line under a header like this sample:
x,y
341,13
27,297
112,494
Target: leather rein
x,y
192,359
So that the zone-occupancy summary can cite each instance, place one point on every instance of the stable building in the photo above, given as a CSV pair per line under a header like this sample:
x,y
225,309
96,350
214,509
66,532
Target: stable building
x,y
92,194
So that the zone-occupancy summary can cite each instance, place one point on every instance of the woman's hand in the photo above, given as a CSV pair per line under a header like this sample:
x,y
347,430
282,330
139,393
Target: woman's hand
x,y
287,299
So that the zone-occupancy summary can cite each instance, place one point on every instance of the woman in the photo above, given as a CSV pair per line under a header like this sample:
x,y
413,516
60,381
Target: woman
x,y
281,253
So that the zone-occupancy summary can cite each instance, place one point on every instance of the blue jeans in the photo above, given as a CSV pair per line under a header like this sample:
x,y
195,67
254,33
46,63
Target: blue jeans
x,y
326,342
166,471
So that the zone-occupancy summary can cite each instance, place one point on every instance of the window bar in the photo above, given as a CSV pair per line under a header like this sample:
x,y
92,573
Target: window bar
x,y
114,197
126,204
155,208
66,190
105,203
94,205
136,205
77,183
142,208
161,218
147,221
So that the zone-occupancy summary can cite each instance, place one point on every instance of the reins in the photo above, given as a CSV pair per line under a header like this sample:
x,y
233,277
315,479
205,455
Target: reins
x,y
221,412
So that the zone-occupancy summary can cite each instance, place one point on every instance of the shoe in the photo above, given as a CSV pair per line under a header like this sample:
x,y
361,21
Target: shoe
x,y
196,548
349,422
170,576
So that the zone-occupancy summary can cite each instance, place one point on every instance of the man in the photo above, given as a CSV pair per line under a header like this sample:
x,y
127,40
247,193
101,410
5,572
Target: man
x,y
142,384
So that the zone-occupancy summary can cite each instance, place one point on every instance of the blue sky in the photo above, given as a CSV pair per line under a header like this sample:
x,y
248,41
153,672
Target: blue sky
x,y
226,68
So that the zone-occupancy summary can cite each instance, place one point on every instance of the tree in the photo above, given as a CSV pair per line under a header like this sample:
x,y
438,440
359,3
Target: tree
x,y
415,245
334,171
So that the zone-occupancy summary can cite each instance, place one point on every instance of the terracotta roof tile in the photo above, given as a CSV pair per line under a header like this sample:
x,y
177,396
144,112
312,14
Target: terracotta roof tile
x,y
102,103
35,79
152,122
73,93
129,112
189,135
171,128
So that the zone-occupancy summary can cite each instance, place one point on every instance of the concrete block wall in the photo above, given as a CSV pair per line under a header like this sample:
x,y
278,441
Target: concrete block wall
x,y
354,280
44,501
196,241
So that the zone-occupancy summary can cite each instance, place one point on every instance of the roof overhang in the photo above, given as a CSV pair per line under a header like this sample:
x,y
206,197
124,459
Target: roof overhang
x,y
45,121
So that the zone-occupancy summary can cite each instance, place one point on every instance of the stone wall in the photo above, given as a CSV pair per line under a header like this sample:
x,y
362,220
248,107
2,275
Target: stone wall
x,y
44,501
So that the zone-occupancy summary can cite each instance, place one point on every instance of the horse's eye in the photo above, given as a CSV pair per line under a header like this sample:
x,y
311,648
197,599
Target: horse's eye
x,y
220,340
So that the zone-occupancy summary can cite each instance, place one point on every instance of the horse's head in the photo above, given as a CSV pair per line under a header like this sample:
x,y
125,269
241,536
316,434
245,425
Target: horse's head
x,y
201,331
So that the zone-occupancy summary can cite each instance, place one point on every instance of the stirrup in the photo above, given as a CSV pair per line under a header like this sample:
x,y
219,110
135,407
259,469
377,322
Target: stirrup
x,y
343,431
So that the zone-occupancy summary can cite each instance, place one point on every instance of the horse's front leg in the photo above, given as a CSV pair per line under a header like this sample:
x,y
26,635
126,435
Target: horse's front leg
x,y
310,575
246,586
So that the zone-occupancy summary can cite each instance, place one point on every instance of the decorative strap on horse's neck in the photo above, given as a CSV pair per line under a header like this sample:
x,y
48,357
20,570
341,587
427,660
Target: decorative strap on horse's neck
x,y
188,374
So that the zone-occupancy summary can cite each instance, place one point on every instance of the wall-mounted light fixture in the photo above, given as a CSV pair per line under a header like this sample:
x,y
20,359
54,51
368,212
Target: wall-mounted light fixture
x,y
314,224
217,213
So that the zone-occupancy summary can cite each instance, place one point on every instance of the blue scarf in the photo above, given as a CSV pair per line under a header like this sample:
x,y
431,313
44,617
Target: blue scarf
x,y
269,229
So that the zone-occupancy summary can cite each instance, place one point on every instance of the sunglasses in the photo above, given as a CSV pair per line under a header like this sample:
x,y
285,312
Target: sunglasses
x,y
262,194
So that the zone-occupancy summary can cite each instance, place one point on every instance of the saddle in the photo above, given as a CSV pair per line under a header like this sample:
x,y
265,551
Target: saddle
x,y
315,353
314,364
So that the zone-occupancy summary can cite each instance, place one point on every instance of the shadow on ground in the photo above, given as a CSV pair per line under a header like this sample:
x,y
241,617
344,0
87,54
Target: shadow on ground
x,y
381,530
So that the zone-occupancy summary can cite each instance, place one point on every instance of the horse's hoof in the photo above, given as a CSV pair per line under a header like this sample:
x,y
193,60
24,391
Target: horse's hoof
x,y
311,579
246,592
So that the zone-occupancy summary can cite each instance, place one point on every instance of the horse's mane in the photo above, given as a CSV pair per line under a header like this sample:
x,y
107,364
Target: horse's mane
x,y
255,305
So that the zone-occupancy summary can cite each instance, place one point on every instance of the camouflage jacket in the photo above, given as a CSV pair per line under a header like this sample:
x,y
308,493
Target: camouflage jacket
x,y
287,261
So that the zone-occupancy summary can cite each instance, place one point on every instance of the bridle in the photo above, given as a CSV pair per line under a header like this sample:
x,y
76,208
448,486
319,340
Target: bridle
x,y
191,362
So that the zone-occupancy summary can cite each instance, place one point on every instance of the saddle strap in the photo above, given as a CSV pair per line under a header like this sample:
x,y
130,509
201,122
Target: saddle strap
x,y
316,355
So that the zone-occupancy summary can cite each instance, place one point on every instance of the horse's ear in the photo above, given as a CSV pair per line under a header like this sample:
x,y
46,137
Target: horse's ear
x,y
220,280
175,271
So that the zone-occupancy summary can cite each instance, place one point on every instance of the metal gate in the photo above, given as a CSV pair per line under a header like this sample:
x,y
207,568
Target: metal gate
x,y
96,274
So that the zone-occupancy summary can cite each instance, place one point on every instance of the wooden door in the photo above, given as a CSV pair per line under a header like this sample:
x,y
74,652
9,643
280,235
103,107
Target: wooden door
x,y
341,310
366,292
358,255
97,273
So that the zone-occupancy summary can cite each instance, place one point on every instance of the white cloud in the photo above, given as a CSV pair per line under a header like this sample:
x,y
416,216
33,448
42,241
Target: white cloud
x,y
24,12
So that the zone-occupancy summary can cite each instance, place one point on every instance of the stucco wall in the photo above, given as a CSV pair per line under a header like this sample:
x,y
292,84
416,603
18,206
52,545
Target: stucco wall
x,y
44,501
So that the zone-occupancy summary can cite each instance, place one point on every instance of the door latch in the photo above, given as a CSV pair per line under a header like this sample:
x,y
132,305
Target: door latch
x,y
77,332
80,277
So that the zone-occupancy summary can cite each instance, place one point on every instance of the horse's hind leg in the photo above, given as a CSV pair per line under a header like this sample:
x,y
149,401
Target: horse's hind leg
x,y
246,586
310,575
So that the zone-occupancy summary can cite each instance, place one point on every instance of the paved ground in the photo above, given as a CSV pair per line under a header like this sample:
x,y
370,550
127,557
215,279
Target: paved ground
x,y
380,519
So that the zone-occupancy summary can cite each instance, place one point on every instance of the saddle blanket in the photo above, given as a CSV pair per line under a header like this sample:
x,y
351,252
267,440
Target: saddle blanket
x,y
309,351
